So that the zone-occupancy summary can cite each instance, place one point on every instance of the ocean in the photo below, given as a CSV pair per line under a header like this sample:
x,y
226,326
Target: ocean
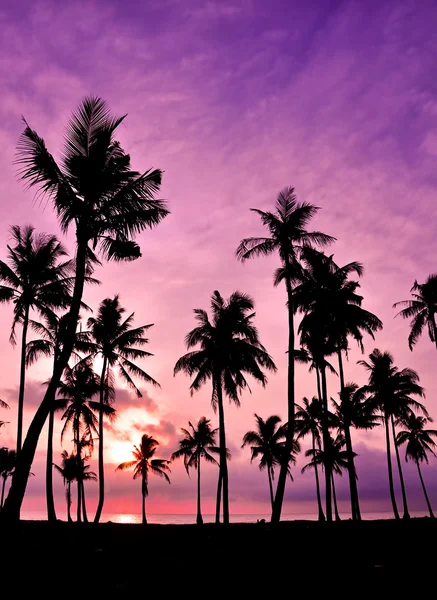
x,y
185,519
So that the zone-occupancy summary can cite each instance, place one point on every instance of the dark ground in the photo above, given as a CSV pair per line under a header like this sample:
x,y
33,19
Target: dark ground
x,y
299,559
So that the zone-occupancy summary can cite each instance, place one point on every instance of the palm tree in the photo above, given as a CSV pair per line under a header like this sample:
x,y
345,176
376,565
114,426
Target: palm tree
x,y
7,465
144,463
421,310
35,279
288,237
114,339
95,190
71,471
309,421
268,443
79,386
229,350
419,442
391,392
198,443
327,289
336,458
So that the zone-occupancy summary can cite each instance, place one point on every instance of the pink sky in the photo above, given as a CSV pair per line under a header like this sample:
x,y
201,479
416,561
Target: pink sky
x,y
234,101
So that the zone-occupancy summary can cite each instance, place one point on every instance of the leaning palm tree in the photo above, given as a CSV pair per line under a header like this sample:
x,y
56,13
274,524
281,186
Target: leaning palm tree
x,y
94,190
309,421
34,278
196,444
268,444
391,390
229,350
287,237
144,463
419,442
422,310
68,470
119,344
8,460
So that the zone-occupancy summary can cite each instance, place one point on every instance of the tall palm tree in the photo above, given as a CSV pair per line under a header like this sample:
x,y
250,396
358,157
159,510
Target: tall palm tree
x,y
36,278
196,444
94,190
288,237
77,390
229,350
421,310
335,457
327,289
8,460
144,463
268,443
309,421
113,338
391,390
419,442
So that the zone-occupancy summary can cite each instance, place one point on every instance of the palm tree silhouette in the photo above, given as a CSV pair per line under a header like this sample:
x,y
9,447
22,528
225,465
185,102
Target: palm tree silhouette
x,y
114,339
8,460
229,349
421,310
327,289
68,470
419,442
144,463
288,237
268,443
35,279
198,443
95,190
391,392
335,457
309,421
79,386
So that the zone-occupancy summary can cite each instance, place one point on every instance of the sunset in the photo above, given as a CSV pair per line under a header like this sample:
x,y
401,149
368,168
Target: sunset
x,y
218,267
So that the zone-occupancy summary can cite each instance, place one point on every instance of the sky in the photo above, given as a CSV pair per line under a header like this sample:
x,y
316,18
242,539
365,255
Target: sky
x,y
234,100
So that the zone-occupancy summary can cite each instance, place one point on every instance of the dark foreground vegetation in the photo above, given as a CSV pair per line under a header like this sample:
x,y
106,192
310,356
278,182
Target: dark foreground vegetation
x,y
376,558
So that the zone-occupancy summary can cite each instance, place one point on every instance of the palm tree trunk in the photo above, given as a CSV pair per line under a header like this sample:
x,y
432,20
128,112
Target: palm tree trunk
x,y
334,495
280,488
326,445
390,471
219,497
143,491
355,504
24,460
78,465
199,519
316,471
69,502
22,381
79,503
3,492
223,457
85,516
269,473
428,503
401,475
319,389
51,513
101,464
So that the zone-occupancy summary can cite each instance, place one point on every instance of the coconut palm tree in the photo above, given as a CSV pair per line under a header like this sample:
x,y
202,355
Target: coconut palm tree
x,y
327,289
34,278
196,444
94,190
267,442
288,237
77,390
419,442
421,310
119,344
229,350
144,463
336,458
7,466
68,470
309,421
390,391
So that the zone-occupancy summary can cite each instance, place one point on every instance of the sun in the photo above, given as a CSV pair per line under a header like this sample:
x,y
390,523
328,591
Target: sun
x,y
120,451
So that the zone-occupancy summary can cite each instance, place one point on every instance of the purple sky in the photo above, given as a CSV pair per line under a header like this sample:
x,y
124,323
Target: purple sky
x,y
235,100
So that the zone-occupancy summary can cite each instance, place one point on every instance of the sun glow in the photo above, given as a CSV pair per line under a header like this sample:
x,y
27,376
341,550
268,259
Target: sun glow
x,y
120,452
